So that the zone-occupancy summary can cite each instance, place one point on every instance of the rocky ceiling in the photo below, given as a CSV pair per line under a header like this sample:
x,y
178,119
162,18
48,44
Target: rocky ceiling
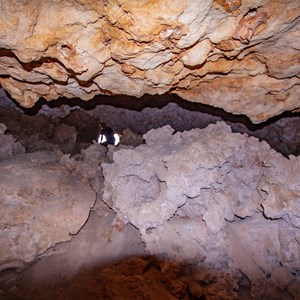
x,y
239,55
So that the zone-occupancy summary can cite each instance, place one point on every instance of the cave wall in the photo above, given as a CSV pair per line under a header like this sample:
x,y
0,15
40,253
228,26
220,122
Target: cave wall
x,y
203,197
242,56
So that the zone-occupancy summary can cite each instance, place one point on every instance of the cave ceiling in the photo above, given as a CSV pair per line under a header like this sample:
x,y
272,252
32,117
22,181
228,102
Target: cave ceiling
x,y
241,56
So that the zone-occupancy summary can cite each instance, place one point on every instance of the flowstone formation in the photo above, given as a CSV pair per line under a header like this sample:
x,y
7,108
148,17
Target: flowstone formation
x,y
42,204
221,201
242,56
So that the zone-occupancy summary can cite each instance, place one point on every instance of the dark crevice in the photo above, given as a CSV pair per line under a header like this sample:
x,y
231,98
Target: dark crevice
x,y
149,101
126,112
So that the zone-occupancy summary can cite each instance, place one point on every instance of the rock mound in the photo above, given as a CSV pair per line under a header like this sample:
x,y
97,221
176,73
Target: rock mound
x,y
213,198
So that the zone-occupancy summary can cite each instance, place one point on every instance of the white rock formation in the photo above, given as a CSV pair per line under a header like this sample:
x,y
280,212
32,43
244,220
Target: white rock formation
x,y
213,198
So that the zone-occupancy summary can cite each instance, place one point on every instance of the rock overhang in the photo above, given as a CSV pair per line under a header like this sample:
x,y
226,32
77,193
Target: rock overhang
x,y
242,56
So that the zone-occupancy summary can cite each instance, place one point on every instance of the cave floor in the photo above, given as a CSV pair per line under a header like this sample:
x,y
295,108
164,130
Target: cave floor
x,y
102,262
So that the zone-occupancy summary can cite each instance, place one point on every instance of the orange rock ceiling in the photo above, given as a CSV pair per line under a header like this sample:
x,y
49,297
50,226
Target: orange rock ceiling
x,y
242,56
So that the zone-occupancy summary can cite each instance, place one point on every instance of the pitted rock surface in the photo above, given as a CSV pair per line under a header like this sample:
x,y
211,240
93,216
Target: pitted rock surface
x,y
213,198
242,56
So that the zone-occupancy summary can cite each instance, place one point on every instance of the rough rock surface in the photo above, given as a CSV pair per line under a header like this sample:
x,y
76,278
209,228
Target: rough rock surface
x,y
213,198
239,234
9,146
242,56
42,204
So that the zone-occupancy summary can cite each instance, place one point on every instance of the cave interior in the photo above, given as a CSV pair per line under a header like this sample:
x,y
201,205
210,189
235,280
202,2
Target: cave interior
x,y
105,252
201,198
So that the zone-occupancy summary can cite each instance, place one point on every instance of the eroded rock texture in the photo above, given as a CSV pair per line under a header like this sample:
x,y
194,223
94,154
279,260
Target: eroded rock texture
x,y
242,56
213,198
9,145
42,204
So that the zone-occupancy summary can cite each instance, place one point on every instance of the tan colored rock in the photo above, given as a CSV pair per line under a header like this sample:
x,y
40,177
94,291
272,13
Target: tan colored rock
x,y
83,48
198,54
230,5
248,25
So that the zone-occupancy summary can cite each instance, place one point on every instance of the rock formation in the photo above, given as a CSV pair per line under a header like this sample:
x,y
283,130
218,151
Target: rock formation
x,y
219,210
215,199
9,145
42,204
242,56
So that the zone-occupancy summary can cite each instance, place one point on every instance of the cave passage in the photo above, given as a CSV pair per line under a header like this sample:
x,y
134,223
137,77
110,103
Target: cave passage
x,y
137,115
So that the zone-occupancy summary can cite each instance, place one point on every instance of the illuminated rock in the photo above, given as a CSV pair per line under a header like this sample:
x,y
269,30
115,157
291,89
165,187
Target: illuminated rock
x,y
242,56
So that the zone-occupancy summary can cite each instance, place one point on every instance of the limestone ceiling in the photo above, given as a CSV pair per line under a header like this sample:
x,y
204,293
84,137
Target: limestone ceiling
x,y
242,56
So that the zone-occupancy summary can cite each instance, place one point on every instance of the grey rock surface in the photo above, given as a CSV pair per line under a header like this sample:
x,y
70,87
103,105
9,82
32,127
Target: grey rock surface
x,y
9,146
214,198
41,204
